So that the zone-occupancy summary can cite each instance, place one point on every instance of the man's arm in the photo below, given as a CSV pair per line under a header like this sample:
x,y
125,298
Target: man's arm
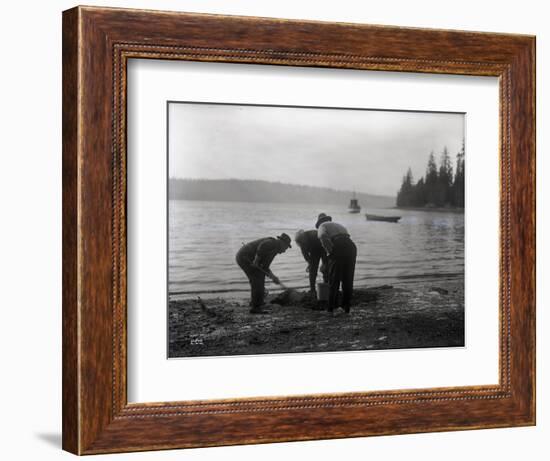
x,y
265,254
305,253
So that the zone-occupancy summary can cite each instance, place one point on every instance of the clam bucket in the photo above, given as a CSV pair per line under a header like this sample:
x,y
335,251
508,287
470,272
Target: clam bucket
x,y
322,291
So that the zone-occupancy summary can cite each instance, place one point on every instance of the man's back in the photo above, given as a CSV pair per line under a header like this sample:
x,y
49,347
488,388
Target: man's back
x,y
327,231
311,242
264,248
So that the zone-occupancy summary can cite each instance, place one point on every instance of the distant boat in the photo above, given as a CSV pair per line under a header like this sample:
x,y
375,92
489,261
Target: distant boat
x,y
354,205
374,217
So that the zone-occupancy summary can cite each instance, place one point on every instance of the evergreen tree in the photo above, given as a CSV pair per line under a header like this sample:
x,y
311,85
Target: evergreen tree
x,y
431,181
420,193
458,184
444,180
438,188
405,194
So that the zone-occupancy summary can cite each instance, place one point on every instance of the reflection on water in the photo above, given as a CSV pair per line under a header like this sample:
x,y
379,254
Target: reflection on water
x,y
204,237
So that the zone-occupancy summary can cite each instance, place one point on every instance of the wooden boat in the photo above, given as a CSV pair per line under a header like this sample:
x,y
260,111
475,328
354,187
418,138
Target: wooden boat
x,y
374,217
354,205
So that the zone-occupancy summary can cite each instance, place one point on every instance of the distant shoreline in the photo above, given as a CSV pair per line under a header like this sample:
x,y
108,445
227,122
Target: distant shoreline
x,y
273,202
247,190
438,209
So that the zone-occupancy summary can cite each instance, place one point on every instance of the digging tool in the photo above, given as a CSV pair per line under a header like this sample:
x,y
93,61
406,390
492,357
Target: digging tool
x,y
290,293
269,276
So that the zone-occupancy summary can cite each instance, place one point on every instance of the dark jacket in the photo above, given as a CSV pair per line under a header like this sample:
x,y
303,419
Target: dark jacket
x,y
261,252
311,246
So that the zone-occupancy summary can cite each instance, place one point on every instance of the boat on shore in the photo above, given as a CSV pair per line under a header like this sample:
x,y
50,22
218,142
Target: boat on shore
x,y
354,206
374,217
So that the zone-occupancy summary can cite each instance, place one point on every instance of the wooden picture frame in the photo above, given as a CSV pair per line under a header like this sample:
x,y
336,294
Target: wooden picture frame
x,y
97,43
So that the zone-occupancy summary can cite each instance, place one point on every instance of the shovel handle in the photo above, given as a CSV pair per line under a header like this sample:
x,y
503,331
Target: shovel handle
x,y
269,275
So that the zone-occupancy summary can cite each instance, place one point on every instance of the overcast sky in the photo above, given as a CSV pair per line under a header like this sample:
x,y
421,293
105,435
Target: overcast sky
x,y
363,150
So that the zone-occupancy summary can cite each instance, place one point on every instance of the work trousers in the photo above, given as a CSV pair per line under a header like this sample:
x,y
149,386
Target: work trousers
x,y
313,269
256,278
341,270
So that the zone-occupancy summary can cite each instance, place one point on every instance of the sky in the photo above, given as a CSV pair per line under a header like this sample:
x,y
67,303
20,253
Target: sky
x,y
363,150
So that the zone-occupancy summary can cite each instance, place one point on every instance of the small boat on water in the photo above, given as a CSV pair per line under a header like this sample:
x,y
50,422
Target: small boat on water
x,y
354,205
374,217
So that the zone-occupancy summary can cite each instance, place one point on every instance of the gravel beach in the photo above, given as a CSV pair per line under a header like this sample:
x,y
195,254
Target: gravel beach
x,y
411,315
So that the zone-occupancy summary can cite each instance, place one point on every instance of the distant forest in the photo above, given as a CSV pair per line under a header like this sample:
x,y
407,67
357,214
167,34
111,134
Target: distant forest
x,y
441,187
238,190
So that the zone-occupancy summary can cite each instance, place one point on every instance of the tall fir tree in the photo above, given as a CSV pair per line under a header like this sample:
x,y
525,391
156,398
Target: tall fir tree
x,y
405,194
444,180
458,183
420,193
430,183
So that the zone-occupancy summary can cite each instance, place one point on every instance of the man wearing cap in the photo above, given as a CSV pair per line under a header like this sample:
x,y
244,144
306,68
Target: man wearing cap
x,y
313,253
254,258
342,254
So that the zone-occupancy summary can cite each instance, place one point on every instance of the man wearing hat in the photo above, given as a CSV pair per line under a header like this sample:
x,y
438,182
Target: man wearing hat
x,y
254,258
342,254
313,253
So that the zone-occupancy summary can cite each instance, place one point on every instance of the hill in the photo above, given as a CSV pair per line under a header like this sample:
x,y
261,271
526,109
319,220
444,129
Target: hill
x,y
237,190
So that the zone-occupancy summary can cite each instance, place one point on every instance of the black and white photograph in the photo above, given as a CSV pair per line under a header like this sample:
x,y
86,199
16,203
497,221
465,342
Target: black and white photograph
x,y
313,229
275,230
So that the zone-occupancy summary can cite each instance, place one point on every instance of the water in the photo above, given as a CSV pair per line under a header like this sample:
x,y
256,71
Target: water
x,y
204,237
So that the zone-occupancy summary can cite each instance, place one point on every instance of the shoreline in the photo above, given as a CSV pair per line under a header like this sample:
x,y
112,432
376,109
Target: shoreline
x,y
437,209
412,315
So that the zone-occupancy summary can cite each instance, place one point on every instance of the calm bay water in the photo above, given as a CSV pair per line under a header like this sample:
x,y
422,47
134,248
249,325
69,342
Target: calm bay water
x,y
205,236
